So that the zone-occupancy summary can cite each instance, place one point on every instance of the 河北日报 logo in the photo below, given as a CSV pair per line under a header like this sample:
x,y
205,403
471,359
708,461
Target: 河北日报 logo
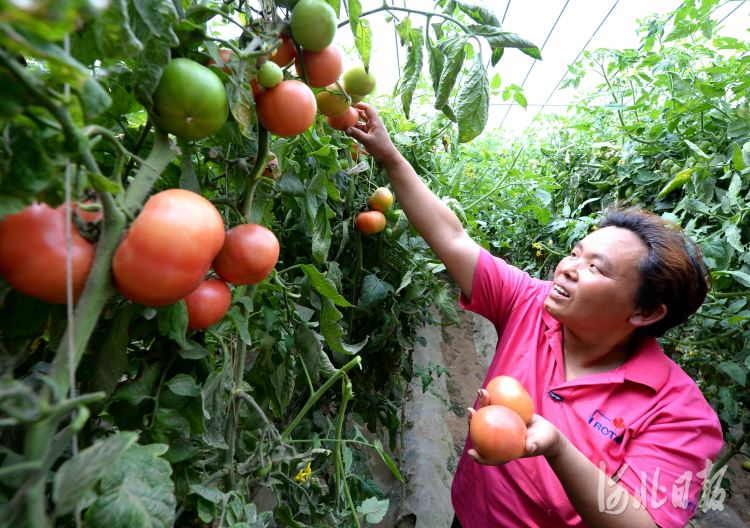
x,y
607,426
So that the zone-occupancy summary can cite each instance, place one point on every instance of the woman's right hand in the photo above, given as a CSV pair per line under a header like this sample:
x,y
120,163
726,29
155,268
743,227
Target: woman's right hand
x,y
373,135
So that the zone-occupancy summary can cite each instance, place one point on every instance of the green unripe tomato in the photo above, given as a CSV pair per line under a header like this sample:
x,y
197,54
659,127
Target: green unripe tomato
x,y
313,24
270,75
636,199
629,191
603,187
389,233
674,170
190,101
704,146
359,82
667,164
263,471
746,465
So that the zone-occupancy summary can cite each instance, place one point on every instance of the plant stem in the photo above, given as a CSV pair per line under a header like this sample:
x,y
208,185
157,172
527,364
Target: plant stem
x,y
161,154
339,470
288,431
302,64
357,275
407,10
736,447
137,148
251,182
731,294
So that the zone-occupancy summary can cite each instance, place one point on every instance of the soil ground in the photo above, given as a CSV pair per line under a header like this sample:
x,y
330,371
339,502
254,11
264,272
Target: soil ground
x,y
468,372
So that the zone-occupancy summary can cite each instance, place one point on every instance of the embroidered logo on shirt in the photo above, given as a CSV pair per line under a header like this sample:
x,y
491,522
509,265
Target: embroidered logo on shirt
x,y
607,426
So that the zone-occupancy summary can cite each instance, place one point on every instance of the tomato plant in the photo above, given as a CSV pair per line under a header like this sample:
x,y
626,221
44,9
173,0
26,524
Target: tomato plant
x,y
190,101
168,249
370,222
509,393
32,254
208,303
381,200
248,255
225,56
287,109
498,433
323,67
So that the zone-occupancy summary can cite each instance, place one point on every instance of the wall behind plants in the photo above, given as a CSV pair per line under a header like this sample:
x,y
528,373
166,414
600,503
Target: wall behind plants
x,y
667,129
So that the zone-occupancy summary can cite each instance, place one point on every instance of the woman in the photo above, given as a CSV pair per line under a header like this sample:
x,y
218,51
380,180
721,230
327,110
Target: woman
x,y
622,435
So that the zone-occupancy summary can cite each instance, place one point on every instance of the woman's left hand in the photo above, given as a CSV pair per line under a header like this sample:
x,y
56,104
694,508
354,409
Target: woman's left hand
x,y
544,438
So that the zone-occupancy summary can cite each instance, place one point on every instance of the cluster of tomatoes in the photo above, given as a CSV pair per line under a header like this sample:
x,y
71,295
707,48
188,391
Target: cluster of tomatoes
x,y
164,257
373,222
498,431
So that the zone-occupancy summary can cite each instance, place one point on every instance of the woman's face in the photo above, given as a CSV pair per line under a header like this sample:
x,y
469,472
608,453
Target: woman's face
x,y
596,285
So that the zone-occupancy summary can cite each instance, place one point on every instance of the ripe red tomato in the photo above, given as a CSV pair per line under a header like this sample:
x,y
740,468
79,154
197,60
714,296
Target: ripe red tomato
x,y
287,109
285,53
498,433
248,255
509,392
323,67
190,101
207,305
332,104
381,200
169,248
32,254
224,54
370,222
349,118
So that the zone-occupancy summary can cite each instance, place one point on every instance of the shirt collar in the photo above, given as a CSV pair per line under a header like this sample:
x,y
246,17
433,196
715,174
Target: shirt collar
x,y
648,365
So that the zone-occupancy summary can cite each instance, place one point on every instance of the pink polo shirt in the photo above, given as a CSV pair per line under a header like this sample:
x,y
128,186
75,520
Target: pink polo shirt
x,y
647,418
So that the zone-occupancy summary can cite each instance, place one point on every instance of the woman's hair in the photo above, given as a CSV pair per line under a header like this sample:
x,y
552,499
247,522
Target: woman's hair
x,y
673,273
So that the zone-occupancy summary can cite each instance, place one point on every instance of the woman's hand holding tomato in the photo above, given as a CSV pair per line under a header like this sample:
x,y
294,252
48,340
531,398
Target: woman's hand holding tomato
x,y
543,437
373,135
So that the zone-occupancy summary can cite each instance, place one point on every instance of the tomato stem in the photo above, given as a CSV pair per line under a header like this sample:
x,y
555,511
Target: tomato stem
x,y
339,470
252,180
302,63
357,275
161,154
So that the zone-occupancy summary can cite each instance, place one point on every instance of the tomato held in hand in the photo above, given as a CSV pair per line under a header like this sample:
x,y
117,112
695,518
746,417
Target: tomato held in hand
x,y
207,305
323,67
332,104
370,223
498,433
248,255
190,101
313,24
285,53
509,392
169,248
381,200
348,119
32,254
287,109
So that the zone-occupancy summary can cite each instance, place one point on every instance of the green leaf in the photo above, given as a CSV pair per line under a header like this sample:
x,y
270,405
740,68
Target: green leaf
x,y
454,49
374,291
677,182
373,509
736,371
478,12
210,494
332,331
283,512
436,62
100,183
360,31
412,69
739,276
403,28
172,322
324,286
321,241
169,424
94,98
114,36
28,172
136,491
188,179
183,385
77,475
729,402
739,162
213,393
444,303
290,184
283,381
240,323
387,459
309,349
473,102
139,390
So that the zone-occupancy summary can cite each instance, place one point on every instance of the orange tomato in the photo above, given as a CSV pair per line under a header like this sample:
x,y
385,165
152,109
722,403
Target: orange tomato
x,y
509,392
498,433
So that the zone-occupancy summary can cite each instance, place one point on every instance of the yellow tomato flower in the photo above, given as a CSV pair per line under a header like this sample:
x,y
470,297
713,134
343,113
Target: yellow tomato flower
x,y
304,474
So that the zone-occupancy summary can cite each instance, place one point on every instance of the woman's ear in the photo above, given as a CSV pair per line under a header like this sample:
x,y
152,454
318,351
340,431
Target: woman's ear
x,y
648,317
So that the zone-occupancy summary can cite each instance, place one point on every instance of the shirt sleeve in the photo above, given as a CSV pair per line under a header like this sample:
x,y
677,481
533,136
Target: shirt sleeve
x,y
667,464
497,288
